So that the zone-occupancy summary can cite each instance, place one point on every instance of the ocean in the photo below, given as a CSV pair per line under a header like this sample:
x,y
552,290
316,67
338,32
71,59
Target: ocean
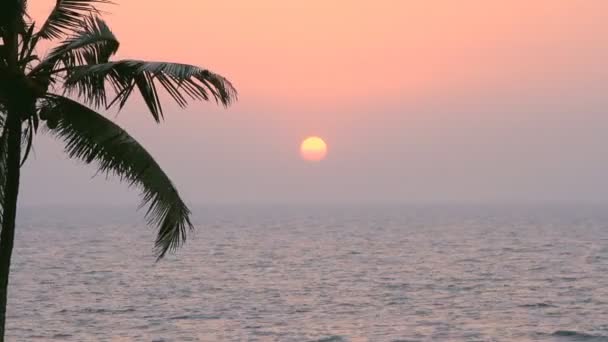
x,y
339,273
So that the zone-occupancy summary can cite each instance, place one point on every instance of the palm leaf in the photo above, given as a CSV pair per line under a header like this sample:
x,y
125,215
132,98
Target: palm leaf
x,y
28,42
27,138
92,43
181,81
67,16
90,137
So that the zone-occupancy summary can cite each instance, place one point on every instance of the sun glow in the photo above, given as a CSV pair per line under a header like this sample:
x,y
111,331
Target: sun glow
x,y
313,149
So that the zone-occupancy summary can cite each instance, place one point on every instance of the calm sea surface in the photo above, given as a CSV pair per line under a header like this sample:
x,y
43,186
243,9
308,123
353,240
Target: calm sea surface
x,y
324,274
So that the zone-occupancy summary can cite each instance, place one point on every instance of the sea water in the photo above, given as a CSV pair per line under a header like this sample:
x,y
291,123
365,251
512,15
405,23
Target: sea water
x,y
340,273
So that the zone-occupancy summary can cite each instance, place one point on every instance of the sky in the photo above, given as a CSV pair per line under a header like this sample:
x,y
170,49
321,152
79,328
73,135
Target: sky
x,y
418,101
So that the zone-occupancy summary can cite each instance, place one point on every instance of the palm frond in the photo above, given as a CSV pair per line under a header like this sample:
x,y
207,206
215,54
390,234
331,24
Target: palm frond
x,y
90,137
92,43
28,42
67,16
180,81
27,139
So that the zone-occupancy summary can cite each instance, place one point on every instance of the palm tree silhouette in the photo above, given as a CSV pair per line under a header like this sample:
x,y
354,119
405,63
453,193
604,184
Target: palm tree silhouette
x,y
35,89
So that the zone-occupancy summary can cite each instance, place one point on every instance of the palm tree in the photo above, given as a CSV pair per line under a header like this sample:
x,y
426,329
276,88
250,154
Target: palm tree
x,y
36,90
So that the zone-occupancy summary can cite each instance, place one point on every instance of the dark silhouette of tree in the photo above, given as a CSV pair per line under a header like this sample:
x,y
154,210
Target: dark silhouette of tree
x,y
35,90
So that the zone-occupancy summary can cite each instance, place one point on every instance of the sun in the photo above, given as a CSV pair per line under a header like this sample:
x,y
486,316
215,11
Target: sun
x,y
313,149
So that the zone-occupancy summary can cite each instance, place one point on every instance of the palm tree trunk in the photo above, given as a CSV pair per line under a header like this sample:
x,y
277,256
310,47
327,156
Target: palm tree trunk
x,y
11,191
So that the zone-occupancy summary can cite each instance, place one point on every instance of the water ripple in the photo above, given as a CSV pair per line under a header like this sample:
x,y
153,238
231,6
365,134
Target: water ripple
x,y
359,274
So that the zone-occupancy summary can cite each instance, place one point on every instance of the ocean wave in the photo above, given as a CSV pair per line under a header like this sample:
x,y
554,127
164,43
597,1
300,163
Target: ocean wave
x,y
334,338
201,317
97,311
571,335
537,305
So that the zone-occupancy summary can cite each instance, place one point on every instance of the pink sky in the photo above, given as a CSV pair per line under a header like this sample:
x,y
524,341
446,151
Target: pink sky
x,y
322,52
399,89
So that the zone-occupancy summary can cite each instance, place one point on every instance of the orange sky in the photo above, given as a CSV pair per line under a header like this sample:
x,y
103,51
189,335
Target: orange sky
x,y
321,52
417,99
302,51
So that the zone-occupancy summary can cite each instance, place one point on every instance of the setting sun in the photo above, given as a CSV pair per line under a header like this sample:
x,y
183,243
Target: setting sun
x,y
313,149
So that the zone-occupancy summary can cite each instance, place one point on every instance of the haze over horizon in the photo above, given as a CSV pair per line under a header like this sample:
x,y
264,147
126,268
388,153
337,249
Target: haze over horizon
x,y
418,101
